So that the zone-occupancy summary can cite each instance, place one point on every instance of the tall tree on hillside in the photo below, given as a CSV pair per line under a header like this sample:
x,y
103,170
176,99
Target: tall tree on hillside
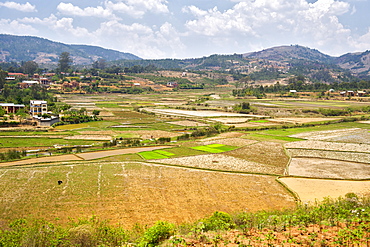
x,y
65,62
3,75
29,67
100,64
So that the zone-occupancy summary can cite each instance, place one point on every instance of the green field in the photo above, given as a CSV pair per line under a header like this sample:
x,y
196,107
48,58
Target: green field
x,y
215,148
157,154
17,142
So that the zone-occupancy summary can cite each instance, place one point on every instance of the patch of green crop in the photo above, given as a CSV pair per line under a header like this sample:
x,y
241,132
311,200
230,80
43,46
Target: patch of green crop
x,y
156,154
215,148
185,151
95,124
259,121
11,142
164,152
262,137
292,131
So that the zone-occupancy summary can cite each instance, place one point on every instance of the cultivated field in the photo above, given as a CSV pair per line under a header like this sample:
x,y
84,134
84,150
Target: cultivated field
x,y
324,168
311,190
222,162
232,171
133,192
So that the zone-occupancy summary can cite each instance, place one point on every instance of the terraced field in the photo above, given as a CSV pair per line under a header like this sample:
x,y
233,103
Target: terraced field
x,y
322,157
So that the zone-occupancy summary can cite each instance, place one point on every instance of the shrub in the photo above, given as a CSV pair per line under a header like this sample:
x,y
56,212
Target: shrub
x,y
218,221
154,235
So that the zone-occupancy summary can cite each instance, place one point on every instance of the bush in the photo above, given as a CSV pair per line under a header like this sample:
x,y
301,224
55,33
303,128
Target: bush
x,y
218,221
154,235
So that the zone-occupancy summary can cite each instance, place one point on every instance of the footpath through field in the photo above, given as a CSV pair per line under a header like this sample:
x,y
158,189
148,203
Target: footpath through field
x,y
81,156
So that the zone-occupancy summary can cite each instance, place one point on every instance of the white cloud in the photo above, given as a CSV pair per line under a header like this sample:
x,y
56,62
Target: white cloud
x,y
63,27
144,41
70,9
16,28
121,7
274,20
134,8
156,6
27,7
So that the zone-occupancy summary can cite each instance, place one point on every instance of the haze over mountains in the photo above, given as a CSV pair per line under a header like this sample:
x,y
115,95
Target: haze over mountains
x,y
43,51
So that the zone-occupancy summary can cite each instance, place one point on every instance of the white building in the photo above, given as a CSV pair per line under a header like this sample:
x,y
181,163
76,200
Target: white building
x,y
38,107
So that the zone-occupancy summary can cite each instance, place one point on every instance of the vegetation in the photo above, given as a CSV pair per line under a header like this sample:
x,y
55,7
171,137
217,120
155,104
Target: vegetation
x,y
348,216
12,155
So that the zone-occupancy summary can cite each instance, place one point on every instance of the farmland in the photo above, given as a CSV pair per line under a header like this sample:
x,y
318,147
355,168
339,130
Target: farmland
x,y
133,192
153,167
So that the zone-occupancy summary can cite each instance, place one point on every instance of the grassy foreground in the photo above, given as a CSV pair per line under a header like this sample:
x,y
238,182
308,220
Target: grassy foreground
x,y
341,222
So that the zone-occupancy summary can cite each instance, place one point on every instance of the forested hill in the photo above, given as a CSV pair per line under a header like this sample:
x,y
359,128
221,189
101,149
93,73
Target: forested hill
x,y
43,51
273,63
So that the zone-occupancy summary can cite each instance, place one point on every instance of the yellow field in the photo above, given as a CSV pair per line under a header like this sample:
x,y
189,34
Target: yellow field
x,y
133,192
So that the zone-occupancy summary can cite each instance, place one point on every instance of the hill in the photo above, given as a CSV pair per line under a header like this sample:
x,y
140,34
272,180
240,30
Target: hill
x,y
289,53
273,64
43,51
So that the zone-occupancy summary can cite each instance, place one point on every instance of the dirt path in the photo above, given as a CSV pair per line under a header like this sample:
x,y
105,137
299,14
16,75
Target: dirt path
x,y
81,156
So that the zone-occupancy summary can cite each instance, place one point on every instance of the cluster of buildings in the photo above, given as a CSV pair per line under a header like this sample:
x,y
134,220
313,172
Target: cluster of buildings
x,y
37,109
353,93
35,79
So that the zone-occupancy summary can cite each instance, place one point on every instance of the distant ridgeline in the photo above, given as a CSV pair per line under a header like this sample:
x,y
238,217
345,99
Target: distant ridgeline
x,y
270,64
43,51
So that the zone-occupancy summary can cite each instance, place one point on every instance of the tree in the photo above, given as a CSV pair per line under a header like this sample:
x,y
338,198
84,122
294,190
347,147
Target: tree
x,y
100,64
3,75
21,115
29,67
65,62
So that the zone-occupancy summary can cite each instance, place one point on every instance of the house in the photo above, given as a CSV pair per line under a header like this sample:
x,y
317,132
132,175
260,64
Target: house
x,y
17,75
350,93
172,84
11,107
10,78
38,107
44,81
292,91
27,84
361,93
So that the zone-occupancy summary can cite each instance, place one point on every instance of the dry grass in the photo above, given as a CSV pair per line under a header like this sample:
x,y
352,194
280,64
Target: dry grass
x,y
236,142
148,134
268,153
188,123
129,193
99,132
328,134
345,156
222,162
231,120
89,137
302,120
310,190
321,168
333,146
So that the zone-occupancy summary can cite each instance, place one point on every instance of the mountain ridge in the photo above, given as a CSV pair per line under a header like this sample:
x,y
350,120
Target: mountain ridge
x,y
30,48
288,57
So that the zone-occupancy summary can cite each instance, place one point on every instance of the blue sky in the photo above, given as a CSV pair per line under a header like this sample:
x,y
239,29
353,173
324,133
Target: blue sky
x,y
193,28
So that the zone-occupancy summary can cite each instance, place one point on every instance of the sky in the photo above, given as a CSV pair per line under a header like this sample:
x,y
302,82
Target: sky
x,y
155,29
